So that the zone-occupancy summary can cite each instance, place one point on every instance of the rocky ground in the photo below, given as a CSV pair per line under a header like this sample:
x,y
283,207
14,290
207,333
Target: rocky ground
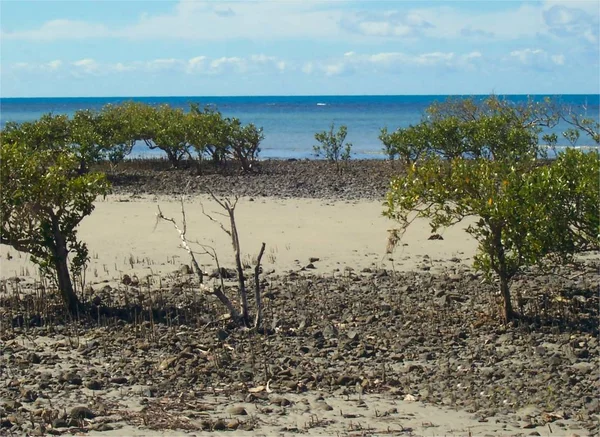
x,y
367,179
331,345
352,353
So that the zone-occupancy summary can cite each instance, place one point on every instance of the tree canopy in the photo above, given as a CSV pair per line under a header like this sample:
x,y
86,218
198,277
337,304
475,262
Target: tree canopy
x,y
43,199
527,212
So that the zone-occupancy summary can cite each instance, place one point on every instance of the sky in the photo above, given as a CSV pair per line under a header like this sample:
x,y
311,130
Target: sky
x,y
72,48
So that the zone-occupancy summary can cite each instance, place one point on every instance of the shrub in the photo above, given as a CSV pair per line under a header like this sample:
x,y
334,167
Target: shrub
x,y
527,213
43,199
332,145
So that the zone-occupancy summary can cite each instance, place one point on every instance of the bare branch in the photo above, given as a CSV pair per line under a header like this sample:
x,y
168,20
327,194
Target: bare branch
x,y
257,297
184,242
208,216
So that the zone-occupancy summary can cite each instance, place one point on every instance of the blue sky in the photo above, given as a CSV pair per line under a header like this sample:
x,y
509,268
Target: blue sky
x,y
288,47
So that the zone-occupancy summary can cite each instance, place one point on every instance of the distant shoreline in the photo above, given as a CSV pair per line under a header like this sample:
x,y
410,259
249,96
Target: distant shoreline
x,y
291,96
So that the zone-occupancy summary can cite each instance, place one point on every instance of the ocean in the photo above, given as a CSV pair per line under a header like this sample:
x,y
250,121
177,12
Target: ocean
x,y
290,122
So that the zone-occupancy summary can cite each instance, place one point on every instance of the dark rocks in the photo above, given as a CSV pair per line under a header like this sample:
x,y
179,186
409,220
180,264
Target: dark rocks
x,y
185,269
362,179
223,273
119,380
79,413
352,334
94,384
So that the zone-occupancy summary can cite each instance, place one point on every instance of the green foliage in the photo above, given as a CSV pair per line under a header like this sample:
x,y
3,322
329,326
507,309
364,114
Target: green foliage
x,y
208,132
332,145
409,144
120,126
580,123
222,138
167,130
111,133
526,213
43,199
244,142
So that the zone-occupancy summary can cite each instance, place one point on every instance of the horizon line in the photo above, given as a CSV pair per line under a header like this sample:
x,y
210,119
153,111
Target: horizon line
x,y
298,95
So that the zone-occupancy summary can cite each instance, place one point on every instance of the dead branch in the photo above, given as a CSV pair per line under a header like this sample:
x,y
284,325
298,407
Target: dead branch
x,y
219,293
257,297
183,238
229,207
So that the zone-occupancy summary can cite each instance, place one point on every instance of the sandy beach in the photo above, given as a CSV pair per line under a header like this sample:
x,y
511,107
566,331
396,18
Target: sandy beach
x,y
124,237
357,341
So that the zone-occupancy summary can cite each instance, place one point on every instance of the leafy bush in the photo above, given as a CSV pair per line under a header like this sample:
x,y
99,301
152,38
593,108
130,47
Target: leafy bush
x,y
332,145
43,199
527,213
167,130
244,142
408,144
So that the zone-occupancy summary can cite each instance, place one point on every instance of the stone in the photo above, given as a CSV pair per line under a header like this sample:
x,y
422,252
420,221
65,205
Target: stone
x,y
126,280
166,363
583,368
185,269
237,411
119,380
60,423
80,413
322,405
219,425
94,384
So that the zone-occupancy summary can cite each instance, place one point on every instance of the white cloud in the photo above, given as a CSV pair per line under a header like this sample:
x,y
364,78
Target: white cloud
x,y
164,64
226,64
537,58
53,65
21,65
392,62
121,68
567,20
258,63
196,64
276,20
386,24
207,21
59,30
86,66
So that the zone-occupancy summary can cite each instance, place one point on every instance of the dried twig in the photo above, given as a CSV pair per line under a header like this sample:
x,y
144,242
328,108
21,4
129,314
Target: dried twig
x,y
257,297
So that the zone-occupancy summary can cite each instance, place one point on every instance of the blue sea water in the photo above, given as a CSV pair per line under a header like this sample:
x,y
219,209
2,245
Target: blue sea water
x,y
290,122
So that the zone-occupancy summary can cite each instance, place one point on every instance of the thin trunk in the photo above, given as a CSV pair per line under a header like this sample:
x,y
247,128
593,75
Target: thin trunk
x,y
62,271
240,270
502,271
505,290
257,297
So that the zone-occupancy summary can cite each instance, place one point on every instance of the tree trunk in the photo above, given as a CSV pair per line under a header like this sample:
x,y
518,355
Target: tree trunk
x,y
62,271
505,291
240,270
502,270
257,297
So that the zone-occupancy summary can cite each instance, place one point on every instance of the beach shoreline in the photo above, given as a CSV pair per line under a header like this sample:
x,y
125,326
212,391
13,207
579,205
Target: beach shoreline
x,y
357,341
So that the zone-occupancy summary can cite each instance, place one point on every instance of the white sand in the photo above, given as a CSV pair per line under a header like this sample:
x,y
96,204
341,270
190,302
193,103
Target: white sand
x,y
123,237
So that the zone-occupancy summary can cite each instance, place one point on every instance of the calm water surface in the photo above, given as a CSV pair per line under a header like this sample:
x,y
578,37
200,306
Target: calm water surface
x,y
289,122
